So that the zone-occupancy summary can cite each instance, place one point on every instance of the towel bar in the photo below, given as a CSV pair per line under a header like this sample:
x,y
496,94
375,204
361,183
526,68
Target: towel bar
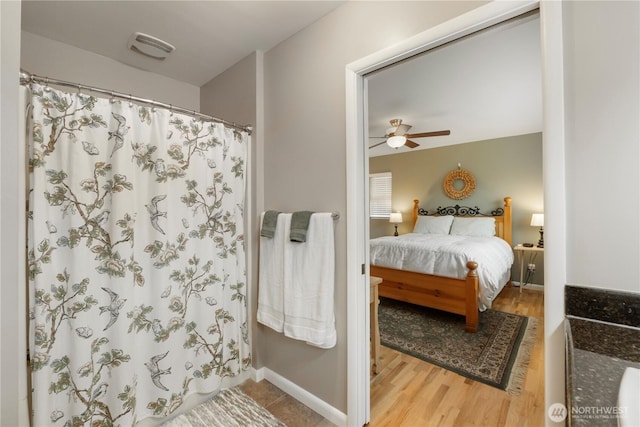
x,y
335,215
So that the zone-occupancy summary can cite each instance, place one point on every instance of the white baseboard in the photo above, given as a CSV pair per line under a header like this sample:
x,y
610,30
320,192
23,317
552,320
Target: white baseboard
x,y
303,396
531,286
257,374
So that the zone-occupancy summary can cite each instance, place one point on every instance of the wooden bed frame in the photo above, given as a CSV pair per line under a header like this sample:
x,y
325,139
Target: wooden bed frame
x,y
458,296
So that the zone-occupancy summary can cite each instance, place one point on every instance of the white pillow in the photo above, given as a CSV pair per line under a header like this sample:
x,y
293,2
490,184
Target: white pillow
x,y
480,227
433,224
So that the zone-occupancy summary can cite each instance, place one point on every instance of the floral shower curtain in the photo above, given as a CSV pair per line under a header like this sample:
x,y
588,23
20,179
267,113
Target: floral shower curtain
x,y
136,259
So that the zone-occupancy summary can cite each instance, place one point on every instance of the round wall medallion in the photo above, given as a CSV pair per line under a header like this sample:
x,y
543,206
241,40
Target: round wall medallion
x,y
453,179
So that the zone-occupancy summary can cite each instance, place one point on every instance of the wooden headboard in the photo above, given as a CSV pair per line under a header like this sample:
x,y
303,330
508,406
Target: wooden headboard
x,y
502,216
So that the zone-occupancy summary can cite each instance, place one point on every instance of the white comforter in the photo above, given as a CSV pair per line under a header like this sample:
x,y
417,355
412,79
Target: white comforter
x,y
447,255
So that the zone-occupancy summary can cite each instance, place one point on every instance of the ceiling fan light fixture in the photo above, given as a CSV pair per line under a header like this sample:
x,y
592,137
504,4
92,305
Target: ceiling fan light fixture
x,y
396,141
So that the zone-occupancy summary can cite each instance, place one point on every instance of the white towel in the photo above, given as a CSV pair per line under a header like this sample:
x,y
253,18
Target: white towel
x,y
309,281
271,275
297,280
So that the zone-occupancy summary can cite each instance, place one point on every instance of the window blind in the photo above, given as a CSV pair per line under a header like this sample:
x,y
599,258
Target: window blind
x,y
380,195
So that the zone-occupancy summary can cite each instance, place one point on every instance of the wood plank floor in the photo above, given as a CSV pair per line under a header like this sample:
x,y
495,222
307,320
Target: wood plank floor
x,y
409,392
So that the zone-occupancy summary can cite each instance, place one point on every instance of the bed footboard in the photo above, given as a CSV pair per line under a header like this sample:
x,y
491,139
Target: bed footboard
x,y
459,296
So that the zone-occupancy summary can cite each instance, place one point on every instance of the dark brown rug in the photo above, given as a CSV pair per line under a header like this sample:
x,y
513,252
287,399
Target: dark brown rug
x,y
497,354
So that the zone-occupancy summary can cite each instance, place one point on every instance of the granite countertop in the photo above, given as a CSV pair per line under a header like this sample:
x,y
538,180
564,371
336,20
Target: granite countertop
x,y
599,354
603,340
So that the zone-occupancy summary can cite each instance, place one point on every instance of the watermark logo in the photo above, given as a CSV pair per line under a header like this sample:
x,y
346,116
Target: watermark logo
x,y
599,412
557,412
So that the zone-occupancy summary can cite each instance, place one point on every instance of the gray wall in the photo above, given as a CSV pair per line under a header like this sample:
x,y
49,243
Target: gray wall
x,y
13,410
305,155
602,59
232,94
304,163
510,166
49,58
306,126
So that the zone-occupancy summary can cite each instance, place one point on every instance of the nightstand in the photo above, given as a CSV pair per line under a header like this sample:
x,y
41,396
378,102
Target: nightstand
x,y
521,251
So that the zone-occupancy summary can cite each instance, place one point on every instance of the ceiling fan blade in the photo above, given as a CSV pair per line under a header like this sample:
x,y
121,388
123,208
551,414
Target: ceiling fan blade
x,y
411,144
425,134
401,130
379,143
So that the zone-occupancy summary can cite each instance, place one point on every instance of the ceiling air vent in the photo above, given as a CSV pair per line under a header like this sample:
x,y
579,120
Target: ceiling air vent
x,y
150,46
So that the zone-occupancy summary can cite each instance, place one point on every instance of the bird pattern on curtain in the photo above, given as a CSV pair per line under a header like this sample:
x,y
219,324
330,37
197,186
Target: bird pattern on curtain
x,y
136,259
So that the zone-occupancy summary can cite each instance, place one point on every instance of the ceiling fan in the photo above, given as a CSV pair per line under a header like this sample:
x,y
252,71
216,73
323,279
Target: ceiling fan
x,y
397,136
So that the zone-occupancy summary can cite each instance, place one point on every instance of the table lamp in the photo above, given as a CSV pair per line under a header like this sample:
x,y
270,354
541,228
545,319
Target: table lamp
x,y
395,218
537,220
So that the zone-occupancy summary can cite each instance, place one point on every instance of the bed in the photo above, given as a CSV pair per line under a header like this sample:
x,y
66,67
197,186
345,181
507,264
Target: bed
x,y
413,273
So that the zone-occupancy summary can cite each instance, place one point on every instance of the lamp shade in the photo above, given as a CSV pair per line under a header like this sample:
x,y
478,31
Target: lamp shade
x,y
396,141
395,218
537,220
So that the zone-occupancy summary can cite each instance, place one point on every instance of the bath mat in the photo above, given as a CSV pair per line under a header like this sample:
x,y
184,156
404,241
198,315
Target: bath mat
x,y
229,408
497,354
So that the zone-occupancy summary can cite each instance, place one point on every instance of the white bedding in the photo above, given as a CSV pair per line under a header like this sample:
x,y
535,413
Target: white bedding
x,y
447,255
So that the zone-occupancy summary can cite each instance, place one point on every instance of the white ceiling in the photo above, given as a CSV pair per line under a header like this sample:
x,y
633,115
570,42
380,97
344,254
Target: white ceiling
x,y
482,87
209,36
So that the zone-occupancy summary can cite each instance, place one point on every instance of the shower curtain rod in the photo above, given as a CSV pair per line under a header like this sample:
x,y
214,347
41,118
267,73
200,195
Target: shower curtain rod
x,y
27,78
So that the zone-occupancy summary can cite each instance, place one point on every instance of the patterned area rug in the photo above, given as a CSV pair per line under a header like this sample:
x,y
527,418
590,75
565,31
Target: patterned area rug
x,y
497,354
229,408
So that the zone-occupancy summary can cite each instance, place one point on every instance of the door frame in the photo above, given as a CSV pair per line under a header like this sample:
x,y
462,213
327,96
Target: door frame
x,y
357,169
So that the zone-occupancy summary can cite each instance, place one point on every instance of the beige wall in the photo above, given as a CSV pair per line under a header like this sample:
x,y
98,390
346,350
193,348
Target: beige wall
x,y
50,58
305,154
602,60
510,166
232,94
12,395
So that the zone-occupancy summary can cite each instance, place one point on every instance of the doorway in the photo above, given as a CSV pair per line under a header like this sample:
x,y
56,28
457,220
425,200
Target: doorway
x,y
484,90
357,168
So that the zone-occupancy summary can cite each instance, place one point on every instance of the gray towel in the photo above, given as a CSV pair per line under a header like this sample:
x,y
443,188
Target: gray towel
x,y
269,222
299,226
